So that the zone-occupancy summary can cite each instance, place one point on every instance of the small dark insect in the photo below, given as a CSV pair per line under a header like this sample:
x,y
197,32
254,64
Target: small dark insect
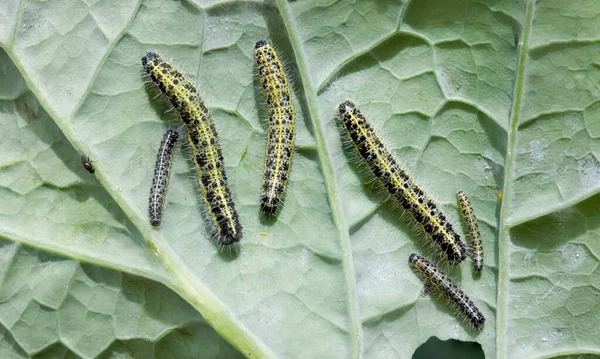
x,y
87,164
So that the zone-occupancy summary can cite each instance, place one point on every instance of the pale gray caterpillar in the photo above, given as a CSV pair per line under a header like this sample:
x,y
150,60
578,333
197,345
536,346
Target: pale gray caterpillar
x,y
160,182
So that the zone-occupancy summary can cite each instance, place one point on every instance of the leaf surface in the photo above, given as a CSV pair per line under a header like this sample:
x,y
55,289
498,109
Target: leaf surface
x,y
495,98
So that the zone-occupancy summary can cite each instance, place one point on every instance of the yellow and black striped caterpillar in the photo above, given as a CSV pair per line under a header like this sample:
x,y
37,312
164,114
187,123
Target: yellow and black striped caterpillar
x,y
160,181
473,233
204,143
399,183
281,131
436,279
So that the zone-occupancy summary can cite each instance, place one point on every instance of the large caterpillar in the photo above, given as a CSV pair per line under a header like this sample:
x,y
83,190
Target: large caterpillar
x,y
160,181
204,143
281,131
399,183
436,279
473,233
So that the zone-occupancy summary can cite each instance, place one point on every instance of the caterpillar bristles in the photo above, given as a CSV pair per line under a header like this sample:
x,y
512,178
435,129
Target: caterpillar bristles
x,y
281,131
204,142
162,175
473,233
396,180
435,279
212,235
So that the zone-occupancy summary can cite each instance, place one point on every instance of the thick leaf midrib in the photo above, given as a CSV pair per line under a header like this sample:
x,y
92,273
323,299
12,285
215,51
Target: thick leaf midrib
x,y
81,257
504,224
330,180
186,284
66,129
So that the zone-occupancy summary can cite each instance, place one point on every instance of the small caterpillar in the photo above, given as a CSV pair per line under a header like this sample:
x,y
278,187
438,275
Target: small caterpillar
x,y
281,132
436,279
473,233
399,184
204,142
160,181
87,164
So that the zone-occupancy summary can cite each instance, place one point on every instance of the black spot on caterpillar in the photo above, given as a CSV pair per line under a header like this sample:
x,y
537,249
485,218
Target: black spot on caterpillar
x,y
281,131
399,183
87,164
473,233
204,143
160,181
436,279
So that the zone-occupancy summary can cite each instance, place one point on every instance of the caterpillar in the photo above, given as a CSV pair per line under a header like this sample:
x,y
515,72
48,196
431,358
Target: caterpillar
x,y
160,181
87,164
399,183
473,233
281,132
204,144
436,279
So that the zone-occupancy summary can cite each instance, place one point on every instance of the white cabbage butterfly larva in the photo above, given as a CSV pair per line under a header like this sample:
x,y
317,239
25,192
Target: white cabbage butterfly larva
x,y
436,279
160,181
204,143
281,131
399,183
473,233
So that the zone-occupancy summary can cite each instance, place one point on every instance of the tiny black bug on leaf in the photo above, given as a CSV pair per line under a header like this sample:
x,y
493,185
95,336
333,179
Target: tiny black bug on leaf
x,y
87,164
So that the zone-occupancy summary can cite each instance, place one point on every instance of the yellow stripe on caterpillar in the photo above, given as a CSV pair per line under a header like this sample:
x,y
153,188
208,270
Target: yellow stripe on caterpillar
x,y
473,233
399,183
204,143
281,130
